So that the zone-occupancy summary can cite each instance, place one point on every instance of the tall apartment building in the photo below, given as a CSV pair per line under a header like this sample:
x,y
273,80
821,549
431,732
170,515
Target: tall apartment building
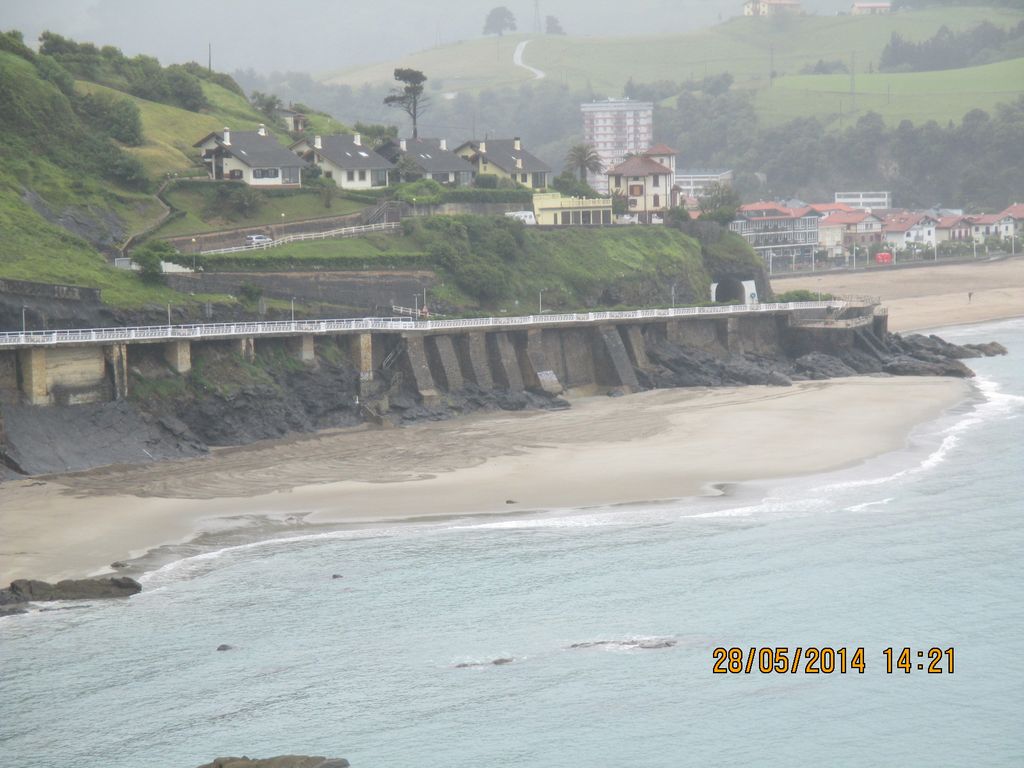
x,y
865,200
615,128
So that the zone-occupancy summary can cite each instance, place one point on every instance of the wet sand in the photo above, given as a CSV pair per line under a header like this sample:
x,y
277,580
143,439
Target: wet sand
x,y
930,297
653,445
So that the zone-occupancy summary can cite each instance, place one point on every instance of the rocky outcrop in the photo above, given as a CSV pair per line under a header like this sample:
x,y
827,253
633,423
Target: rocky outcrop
x,y
284,761
29,590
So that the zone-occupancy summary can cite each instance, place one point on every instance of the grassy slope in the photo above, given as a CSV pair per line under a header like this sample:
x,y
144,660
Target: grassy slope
x,y
572,266
170,131
295,207
915,96
31,248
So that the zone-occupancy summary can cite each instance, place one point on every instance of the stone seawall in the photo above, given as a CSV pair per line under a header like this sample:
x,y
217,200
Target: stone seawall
x,y
67,408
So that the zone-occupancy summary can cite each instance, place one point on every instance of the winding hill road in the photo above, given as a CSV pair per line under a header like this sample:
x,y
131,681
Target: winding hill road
x,y
517,59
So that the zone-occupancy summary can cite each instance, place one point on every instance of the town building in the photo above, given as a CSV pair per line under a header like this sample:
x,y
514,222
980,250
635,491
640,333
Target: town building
x,y
646,183
840,232
343,159
253,157
552,209
865,200
870,9
908,230
953,228
506,159
692,183
770,7
295,122
616,128
988,225
428,159
777,232
1016,213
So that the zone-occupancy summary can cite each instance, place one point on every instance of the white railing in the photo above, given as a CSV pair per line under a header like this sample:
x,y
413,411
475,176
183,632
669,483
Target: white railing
x,y
362,229
152,333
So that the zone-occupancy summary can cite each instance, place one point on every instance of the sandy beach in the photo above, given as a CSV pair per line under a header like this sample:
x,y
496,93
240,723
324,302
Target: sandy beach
x,y
930,297
654,445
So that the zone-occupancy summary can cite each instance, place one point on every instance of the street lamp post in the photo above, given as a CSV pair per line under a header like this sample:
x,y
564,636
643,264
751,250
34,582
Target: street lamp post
x,y
23,318
293,309
194,247
540,301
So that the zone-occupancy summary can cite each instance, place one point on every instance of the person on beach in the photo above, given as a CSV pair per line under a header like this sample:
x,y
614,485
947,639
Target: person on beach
x,y
969,295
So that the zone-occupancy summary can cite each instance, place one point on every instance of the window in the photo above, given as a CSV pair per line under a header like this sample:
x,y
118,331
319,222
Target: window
x,y
235,174
657,180
362,175
636,190
329,174
350,175
657,200
524,178
618,180
632,202
264,173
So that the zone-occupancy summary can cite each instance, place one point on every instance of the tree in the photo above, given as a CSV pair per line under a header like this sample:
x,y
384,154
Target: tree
x,y
499,20
373,134
266,103
552,26
583,158
149,258
410,98
719,203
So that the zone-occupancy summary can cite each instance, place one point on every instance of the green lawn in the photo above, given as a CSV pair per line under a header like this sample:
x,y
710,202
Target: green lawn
x,y
192,198
377,251
742,46
915,96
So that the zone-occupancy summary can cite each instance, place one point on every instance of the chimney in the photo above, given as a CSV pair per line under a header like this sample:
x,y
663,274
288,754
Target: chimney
x,y
227,136
444,145
517,145
262,130
519,163
357,140
318,142
403,145
483,147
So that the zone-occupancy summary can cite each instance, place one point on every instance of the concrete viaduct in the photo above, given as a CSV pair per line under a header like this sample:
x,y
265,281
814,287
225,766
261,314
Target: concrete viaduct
x,y
580,351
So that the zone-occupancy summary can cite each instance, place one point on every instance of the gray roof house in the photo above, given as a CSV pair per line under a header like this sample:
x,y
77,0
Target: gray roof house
x,y
344,159
433,159
254,157
506,158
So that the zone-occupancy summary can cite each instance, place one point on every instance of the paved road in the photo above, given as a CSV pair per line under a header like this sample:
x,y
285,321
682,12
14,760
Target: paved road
x,y
517,59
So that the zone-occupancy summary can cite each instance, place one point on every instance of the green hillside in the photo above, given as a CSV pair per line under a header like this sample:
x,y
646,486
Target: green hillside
x,y
915,96
741,46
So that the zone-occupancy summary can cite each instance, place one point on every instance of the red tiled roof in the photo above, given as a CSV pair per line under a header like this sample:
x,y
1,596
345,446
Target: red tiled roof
x,y
640,166
987,218
901,222
830,207
844,218
764,205
1015,211
660,149
949,222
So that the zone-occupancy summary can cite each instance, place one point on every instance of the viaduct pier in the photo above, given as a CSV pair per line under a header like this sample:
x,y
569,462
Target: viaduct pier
x,y
580,352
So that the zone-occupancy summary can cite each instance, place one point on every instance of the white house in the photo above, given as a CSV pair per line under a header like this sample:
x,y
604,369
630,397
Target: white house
x,y
343,159
999,225
770,7
870,9
253,157
904,230
431,158
646,182
840,231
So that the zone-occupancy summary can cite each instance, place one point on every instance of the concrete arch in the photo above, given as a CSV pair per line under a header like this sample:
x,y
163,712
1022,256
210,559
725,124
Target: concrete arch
x,y
730,289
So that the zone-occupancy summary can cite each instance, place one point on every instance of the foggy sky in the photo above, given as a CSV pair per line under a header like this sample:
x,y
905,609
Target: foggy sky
x,y
322,35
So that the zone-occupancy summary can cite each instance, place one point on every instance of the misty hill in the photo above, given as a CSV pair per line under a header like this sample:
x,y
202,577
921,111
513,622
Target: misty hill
x,y
744,47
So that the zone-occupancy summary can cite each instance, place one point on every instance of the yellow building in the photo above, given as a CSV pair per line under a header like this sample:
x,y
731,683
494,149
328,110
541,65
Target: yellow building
x,y
506,159
551,209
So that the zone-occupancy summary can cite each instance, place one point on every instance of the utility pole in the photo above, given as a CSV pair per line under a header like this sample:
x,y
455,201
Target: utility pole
x,y
853,80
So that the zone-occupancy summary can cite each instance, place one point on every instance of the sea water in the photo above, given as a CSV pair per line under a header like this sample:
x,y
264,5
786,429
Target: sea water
x,y
919,548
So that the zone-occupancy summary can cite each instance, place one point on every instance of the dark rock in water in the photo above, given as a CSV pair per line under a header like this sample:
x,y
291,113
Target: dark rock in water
x,y
647,645
119,564
224,647
818,365
495,662
25,590
11,610
337,576
510,501
284,761
990,349
904,365
498,662
656,644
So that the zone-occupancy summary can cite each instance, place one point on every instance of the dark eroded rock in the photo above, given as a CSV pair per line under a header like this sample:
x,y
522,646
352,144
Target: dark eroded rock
x,y
27,590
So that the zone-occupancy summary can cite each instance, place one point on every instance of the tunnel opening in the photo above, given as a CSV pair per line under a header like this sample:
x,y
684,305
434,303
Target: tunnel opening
x,y
730,289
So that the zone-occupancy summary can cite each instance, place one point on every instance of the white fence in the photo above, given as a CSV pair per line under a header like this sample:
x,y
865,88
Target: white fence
x,y
290,327
363,229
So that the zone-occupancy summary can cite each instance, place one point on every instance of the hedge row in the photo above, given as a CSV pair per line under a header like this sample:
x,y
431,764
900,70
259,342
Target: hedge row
x,y
232,262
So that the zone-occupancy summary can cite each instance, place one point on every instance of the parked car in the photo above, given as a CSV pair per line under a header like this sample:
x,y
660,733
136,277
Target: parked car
x,y
258,240
526,217
883,257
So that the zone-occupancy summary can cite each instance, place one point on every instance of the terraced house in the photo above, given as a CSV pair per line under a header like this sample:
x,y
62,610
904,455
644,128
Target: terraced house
x,y
506,159
428,159
777,232
253,157
343,159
